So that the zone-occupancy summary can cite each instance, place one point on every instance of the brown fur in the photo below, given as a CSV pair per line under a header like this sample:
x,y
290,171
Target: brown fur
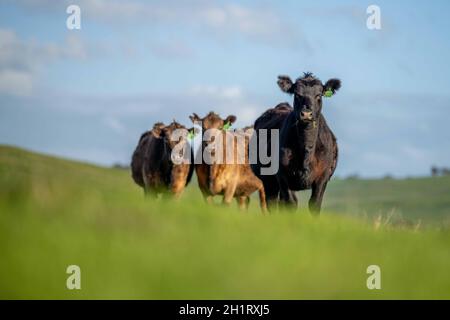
x,y
230,180
210,121
151,164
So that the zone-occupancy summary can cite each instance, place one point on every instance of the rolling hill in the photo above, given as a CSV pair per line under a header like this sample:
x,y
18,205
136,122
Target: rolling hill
x,y
55,213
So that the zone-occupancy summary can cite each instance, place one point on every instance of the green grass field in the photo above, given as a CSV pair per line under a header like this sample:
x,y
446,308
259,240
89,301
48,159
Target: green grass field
x,y
55,213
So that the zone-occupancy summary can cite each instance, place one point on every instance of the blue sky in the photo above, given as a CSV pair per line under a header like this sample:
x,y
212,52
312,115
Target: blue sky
x,y
88,94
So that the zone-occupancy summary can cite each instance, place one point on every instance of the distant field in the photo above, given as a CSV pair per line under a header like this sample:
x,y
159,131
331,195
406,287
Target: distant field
x,y
415,199
54,213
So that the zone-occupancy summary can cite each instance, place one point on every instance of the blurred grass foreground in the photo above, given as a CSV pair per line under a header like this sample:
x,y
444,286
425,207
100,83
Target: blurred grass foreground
x,y
55,213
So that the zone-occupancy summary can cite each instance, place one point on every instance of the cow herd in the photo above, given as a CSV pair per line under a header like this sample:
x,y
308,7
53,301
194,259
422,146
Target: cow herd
x,y
307,153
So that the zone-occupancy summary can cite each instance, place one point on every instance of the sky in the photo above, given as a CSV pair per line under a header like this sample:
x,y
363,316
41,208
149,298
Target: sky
x,y
88,94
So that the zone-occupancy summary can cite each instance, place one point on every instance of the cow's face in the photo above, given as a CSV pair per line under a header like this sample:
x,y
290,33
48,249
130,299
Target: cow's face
x,y
308,92
212,121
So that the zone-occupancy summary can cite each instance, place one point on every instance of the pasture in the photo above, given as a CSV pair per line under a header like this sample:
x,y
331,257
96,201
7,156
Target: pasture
x,y
55,213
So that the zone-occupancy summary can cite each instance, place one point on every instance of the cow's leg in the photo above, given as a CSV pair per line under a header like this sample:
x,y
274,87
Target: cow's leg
x,y
206,195
271,190
175,190
202,178
150,193
293,197
287,197
262,195
243,202
208,198
178,180
228,194
315,202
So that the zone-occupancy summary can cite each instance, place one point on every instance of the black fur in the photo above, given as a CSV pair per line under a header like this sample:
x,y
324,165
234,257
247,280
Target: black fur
x,y
308,149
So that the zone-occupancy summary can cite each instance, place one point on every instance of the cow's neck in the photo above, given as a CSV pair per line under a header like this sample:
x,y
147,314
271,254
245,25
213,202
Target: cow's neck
x,y
219,165
215,170
307,134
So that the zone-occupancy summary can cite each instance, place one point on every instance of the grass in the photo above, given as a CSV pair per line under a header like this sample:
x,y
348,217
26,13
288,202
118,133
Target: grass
x,y
426,199
55,213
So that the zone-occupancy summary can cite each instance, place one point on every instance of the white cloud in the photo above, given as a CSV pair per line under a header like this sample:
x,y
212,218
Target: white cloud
x,y
257,23
415,154
225,100
21,59
28,54
73,48
230,92
254,23
13,82
172,50
249,113
114,124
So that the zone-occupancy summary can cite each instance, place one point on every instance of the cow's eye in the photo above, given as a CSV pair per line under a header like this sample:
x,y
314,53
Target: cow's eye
x,y
319,97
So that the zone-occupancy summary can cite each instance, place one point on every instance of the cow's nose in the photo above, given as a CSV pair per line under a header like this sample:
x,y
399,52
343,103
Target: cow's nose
x,y
306,114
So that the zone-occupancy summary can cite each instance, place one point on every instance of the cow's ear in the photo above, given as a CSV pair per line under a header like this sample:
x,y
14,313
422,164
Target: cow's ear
x,y
195,118
331,87
157,129
230,119
285,83
157,132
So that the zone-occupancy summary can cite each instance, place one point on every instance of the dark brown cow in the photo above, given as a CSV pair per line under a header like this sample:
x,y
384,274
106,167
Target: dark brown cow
x,y
308,148
232,177
152,167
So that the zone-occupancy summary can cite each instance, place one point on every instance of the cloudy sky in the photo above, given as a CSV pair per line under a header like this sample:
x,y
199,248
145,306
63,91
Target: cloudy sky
x,y
88,94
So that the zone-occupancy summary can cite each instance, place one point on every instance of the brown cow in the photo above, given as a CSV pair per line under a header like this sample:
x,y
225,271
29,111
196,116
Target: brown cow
x,y
152,167
210,121
228,177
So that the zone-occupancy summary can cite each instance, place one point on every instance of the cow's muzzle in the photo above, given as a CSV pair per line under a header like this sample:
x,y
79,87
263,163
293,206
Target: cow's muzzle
x,y
306,116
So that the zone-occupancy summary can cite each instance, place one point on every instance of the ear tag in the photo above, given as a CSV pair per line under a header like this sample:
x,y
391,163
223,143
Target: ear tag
x,y
328,93
191,135
227,126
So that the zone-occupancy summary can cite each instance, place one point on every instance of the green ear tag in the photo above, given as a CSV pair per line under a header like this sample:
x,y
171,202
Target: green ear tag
x,y
191,135
227,126
328,93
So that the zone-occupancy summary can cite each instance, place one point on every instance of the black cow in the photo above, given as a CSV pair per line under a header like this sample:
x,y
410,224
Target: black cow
x,y
308,148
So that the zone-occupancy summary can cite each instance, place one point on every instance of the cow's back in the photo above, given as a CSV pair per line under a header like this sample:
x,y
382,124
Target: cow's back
x,y
272,118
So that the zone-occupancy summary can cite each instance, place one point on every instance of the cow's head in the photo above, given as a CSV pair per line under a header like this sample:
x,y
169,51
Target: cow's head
x,y
174,133
308,92
212,124
213,121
